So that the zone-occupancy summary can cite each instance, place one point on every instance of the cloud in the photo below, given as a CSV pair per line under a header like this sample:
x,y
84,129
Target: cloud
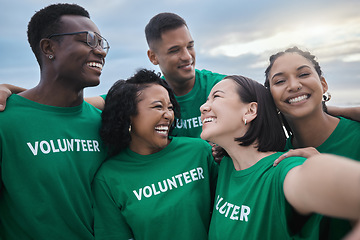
x,y
231,36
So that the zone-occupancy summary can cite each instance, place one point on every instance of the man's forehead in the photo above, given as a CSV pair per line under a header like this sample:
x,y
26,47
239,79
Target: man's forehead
x,y
76,23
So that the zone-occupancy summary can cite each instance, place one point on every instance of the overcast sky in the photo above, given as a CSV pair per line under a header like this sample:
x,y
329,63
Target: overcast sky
x,y
231,37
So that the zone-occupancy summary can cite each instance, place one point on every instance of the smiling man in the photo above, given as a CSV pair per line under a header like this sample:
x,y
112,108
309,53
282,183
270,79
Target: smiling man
x,y
172,48
50,148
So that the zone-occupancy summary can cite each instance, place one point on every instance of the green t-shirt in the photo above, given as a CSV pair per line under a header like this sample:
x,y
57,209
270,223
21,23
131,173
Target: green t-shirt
x,y
344,141
190,124
250,204
165,195
48,158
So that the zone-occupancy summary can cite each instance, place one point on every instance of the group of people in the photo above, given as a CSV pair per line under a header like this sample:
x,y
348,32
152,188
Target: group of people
x,y
140,165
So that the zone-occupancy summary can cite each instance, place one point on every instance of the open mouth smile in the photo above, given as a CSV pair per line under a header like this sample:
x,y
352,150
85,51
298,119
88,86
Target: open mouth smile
x,y
298,99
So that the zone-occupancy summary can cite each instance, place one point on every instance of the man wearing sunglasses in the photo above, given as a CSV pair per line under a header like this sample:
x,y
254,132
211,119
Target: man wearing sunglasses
x,y
50,148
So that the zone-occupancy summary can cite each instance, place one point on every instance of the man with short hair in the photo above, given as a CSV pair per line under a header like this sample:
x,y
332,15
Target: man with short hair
x,y
172,48
50,148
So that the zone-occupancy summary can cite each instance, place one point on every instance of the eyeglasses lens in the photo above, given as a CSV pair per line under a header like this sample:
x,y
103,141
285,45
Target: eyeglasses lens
x,y
94,40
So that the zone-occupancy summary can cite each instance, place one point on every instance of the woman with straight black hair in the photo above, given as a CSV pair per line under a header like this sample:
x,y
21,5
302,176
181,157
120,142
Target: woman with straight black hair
x,y
254,199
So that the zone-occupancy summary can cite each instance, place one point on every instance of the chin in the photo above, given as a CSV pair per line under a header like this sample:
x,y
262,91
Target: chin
x,y
205,136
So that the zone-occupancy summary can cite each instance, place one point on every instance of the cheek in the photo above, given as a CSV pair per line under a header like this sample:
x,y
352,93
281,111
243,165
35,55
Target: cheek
x,y
172,119
275,94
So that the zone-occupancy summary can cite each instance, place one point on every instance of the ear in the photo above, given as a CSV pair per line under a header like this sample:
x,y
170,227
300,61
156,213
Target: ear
x,y
251,112
46,47
152,57
324,84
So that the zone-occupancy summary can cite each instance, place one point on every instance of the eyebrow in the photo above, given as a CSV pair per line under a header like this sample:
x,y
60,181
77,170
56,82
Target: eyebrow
x,y
177,46
159,101
303,66
217,91
156,101
281,73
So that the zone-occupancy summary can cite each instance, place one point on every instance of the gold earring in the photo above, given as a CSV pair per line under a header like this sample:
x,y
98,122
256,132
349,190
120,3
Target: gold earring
x,y
130,128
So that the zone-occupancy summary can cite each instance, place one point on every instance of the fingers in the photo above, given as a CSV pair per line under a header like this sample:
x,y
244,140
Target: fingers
x,y
2,103
279,159
300,152
4,94
216,152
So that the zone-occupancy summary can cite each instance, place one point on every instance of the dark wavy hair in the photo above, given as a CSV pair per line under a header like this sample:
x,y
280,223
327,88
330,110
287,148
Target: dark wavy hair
x,y
305,54
266,129
121,103
47,21
161,23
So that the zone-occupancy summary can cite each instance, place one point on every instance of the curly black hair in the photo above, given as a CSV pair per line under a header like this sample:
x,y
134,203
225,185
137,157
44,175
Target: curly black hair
x,y
47,21
121,103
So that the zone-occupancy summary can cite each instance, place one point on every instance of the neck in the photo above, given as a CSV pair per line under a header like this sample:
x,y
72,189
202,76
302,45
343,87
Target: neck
x,y
181,87
140,148
54,95
313,130
244,157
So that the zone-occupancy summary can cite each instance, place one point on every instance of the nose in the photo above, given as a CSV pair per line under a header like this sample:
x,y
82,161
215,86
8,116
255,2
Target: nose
x,y
186,55
98,50
294,85
205,107
168,114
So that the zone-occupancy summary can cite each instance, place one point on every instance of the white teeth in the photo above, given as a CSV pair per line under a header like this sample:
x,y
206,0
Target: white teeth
x,y
162,128
206,120
95,64
298,99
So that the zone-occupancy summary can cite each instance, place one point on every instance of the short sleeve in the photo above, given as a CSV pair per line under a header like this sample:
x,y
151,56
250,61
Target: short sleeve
x,y
109,222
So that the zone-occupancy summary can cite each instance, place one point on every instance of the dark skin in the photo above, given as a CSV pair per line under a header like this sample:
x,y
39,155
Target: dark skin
x,y
63,78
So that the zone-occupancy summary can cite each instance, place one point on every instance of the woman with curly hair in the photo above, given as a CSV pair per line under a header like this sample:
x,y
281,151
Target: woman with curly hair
x,y
153,186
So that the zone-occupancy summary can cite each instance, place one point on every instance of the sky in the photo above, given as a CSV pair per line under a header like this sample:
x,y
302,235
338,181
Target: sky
x,y
231,37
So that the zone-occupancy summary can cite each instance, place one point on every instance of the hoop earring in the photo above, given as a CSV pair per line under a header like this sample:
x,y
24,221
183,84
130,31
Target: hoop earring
x,y
130,128
326,96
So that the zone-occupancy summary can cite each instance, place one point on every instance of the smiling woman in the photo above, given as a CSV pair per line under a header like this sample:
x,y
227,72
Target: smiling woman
x,y
296,83
254,199
153,186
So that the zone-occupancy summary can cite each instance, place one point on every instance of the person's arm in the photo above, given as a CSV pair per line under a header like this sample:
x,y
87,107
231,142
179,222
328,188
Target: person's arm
x,y
347,112
97,102
354,234
325,184
300,152
5,91
109,222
